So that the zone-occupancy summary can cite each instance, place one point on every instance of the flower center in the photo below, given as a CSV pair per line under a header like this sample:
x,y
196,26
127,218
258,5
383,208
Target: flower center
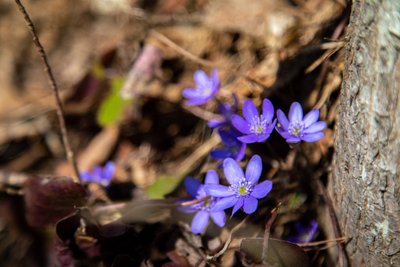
x,y
242,188
206,91
205,205
258,125
296,128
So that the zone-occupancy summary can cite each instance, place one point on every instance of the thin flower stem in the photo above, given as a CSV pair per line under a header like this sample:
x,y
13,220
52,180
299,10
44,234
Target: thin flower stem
x,y
323,242
54,87
193,202
320,248
202,113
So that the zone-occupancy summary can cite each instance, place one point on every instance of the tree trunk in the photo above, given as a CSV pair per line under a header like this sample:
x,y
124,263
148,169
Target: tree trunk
x,y
365,185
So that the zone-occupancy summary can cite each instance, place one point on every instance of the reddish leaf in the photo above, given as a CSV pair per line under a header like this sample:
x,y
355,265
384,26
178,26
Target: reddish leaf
x,y
48,199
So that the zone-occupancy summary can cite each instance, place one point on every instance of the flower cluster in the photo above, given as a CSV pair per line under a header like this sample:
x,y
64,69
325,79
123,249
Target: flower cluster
x,y
236,131
99,175
253,126
243,192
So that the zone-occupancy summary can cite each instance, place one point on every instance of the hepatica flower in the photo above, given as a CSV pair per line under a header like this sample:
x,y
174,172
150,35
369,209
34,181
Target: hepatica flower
x,y
255,127
232,147
101,175
243,190
205,209
297,128
206,88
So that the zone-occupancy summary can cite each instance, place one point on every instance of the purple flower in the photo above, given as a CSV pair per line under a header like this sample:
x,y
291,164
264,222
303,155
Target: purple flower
x,y
243,190
205,89
297,128
255,127
232,147
205,209
99,175
304,233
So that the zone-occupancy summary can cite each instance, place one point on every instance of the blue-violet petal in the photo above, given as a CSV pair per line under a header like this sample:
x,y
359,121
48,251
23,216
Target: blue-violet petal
x,y
312,137
262,189
311,117
250,111
199,222
233,172
267,110
250,204
211,177
240,124
253,170
295,112
218,190
219,218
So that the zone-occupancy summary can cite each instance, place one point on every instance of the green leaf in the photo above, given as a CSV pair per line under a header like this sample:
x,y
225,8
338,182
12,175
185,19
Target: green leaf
x,y
113,106
163,185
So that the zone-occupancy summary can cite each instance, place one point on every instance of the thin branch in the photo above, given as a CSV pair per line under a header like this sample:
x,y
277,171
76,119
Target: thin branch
x,y
335,223
164,39
267,232
193,202
54,87
227,243
203,113
185,53
343,239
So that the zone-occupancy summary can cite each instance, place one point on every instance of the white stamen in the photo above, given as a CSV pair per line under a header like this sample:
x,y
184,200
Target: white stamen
x,y
258,125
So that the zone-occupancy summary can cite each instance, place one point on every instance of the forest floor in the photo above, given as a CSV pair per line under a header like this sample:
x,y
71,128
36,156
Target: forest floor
x,y
121,67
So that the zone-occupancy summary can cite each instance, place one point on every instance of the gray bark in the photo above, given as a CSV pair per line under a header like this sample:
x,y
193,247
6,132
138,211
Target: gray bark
x,y
365,183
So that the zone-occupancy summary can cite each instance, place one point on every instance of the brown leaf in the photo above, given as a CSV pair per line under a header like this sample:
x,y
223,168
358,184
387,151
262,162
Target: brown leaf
x,y
280,252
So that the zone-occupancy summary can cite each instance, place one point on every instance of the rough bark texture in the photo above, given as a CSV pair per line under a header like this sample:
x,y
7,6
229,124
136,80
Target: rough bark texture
x,y
365,184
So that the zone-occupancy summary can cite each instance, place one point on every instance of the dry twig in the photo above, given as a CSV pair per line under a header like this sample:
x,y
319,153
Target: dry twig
x,y
323,242
227,243
164,39
54,87
267,231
